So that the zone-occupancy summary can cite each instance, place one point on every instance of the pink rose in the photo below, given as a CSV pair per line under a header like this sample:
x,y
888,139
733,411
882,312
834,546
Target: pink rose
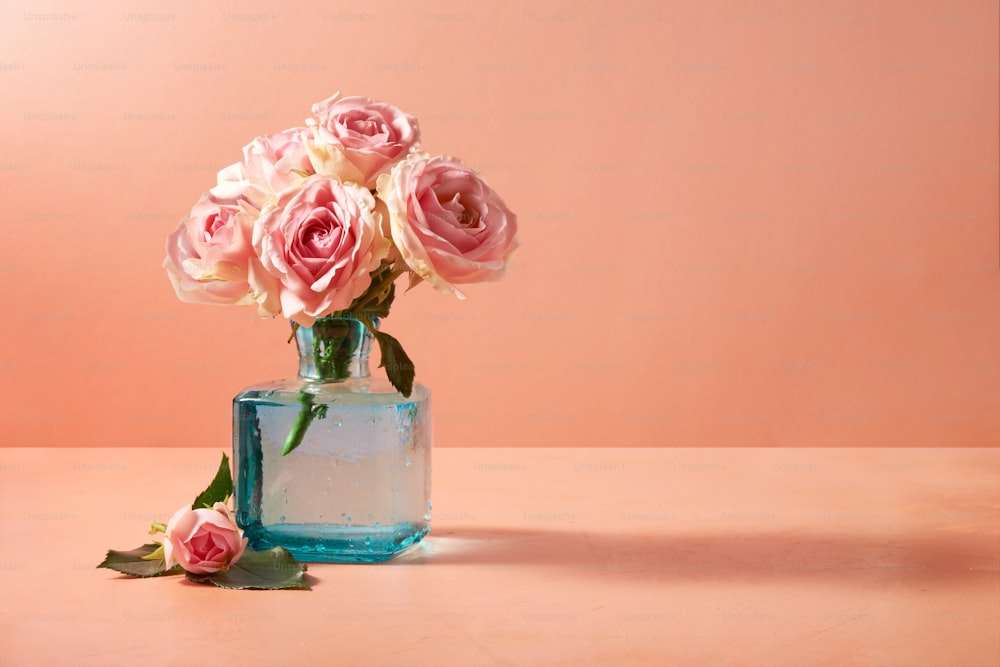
x,y
449,225
358,138
317,244
272,160
204,540
209,251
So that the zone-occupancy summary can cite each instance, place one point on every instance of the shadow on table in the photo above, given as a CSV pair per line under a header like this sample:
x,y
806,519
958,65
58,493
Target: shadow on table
x,y
925,557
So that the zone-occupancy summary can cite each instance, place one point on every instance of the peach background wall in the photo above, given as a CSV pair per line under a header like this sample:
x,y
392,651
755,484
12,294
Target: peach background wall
x,y
744,223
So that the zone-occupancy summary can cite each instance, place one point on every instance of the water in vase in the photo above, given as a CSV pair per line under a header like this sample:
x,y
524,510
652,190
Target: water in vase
x,y
358,487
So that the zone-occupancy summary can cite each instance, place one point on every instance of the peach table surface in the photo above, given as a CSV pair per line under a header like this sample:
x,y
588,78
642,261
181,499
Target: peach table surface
x,y
539,557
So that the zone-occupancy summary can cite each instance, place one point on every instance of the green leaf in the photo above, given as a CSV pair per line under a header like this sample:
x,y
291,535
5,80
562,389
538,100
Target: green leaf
x,y
220,488
135,564
377,299
397,365
381,309
273,569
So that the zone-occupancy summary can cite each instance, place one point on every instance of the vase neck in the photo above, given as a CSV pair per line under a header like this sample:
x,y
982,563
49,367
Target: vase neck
x,y
334,349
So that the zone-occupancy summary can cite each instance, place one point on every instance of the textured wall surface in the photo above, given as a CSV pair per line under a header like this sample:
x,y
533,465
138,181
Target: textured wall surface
x,y
743,223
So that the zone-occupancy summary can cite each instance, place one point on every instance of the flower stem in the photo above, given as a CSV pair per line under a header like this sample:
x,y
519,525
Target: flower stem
x,y
298,430
330,354
377,292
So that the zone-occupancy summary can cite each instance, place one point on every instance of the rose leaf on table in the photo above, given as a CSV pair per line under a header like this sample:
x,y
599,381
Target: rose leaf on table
x,y
271,569
135,562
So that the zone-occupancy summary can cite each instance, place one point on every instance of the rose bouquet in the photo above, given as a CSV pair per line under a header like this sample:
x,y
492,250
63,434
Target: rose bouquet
x,y
319,221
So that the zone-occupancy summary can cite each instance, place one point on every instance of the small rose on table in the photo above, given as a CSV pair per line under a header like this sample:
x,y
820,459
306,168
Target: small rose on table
x,y
207,547
204,540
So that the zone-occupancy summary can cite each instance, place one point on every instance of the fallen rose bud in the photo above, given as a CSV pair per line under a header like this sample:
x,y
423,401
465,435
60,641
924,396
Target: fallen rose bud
x,y
203,541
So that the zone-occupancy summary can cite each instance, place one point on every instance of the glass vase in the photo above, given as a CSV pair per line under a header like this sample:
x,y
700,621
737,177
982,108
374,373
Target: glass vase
x,y
356,486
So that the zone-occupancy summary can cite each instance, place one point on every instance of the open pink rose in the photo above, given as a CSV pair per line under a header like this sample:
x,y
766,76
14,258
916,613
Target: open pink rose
x,y
358,138
317,245
203,540
209,251
449,225
273,160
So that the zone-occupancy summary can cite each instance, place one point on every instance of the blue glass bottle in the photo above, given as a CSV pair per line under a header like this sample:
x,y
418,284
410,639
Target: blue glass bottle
x,y
357,487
